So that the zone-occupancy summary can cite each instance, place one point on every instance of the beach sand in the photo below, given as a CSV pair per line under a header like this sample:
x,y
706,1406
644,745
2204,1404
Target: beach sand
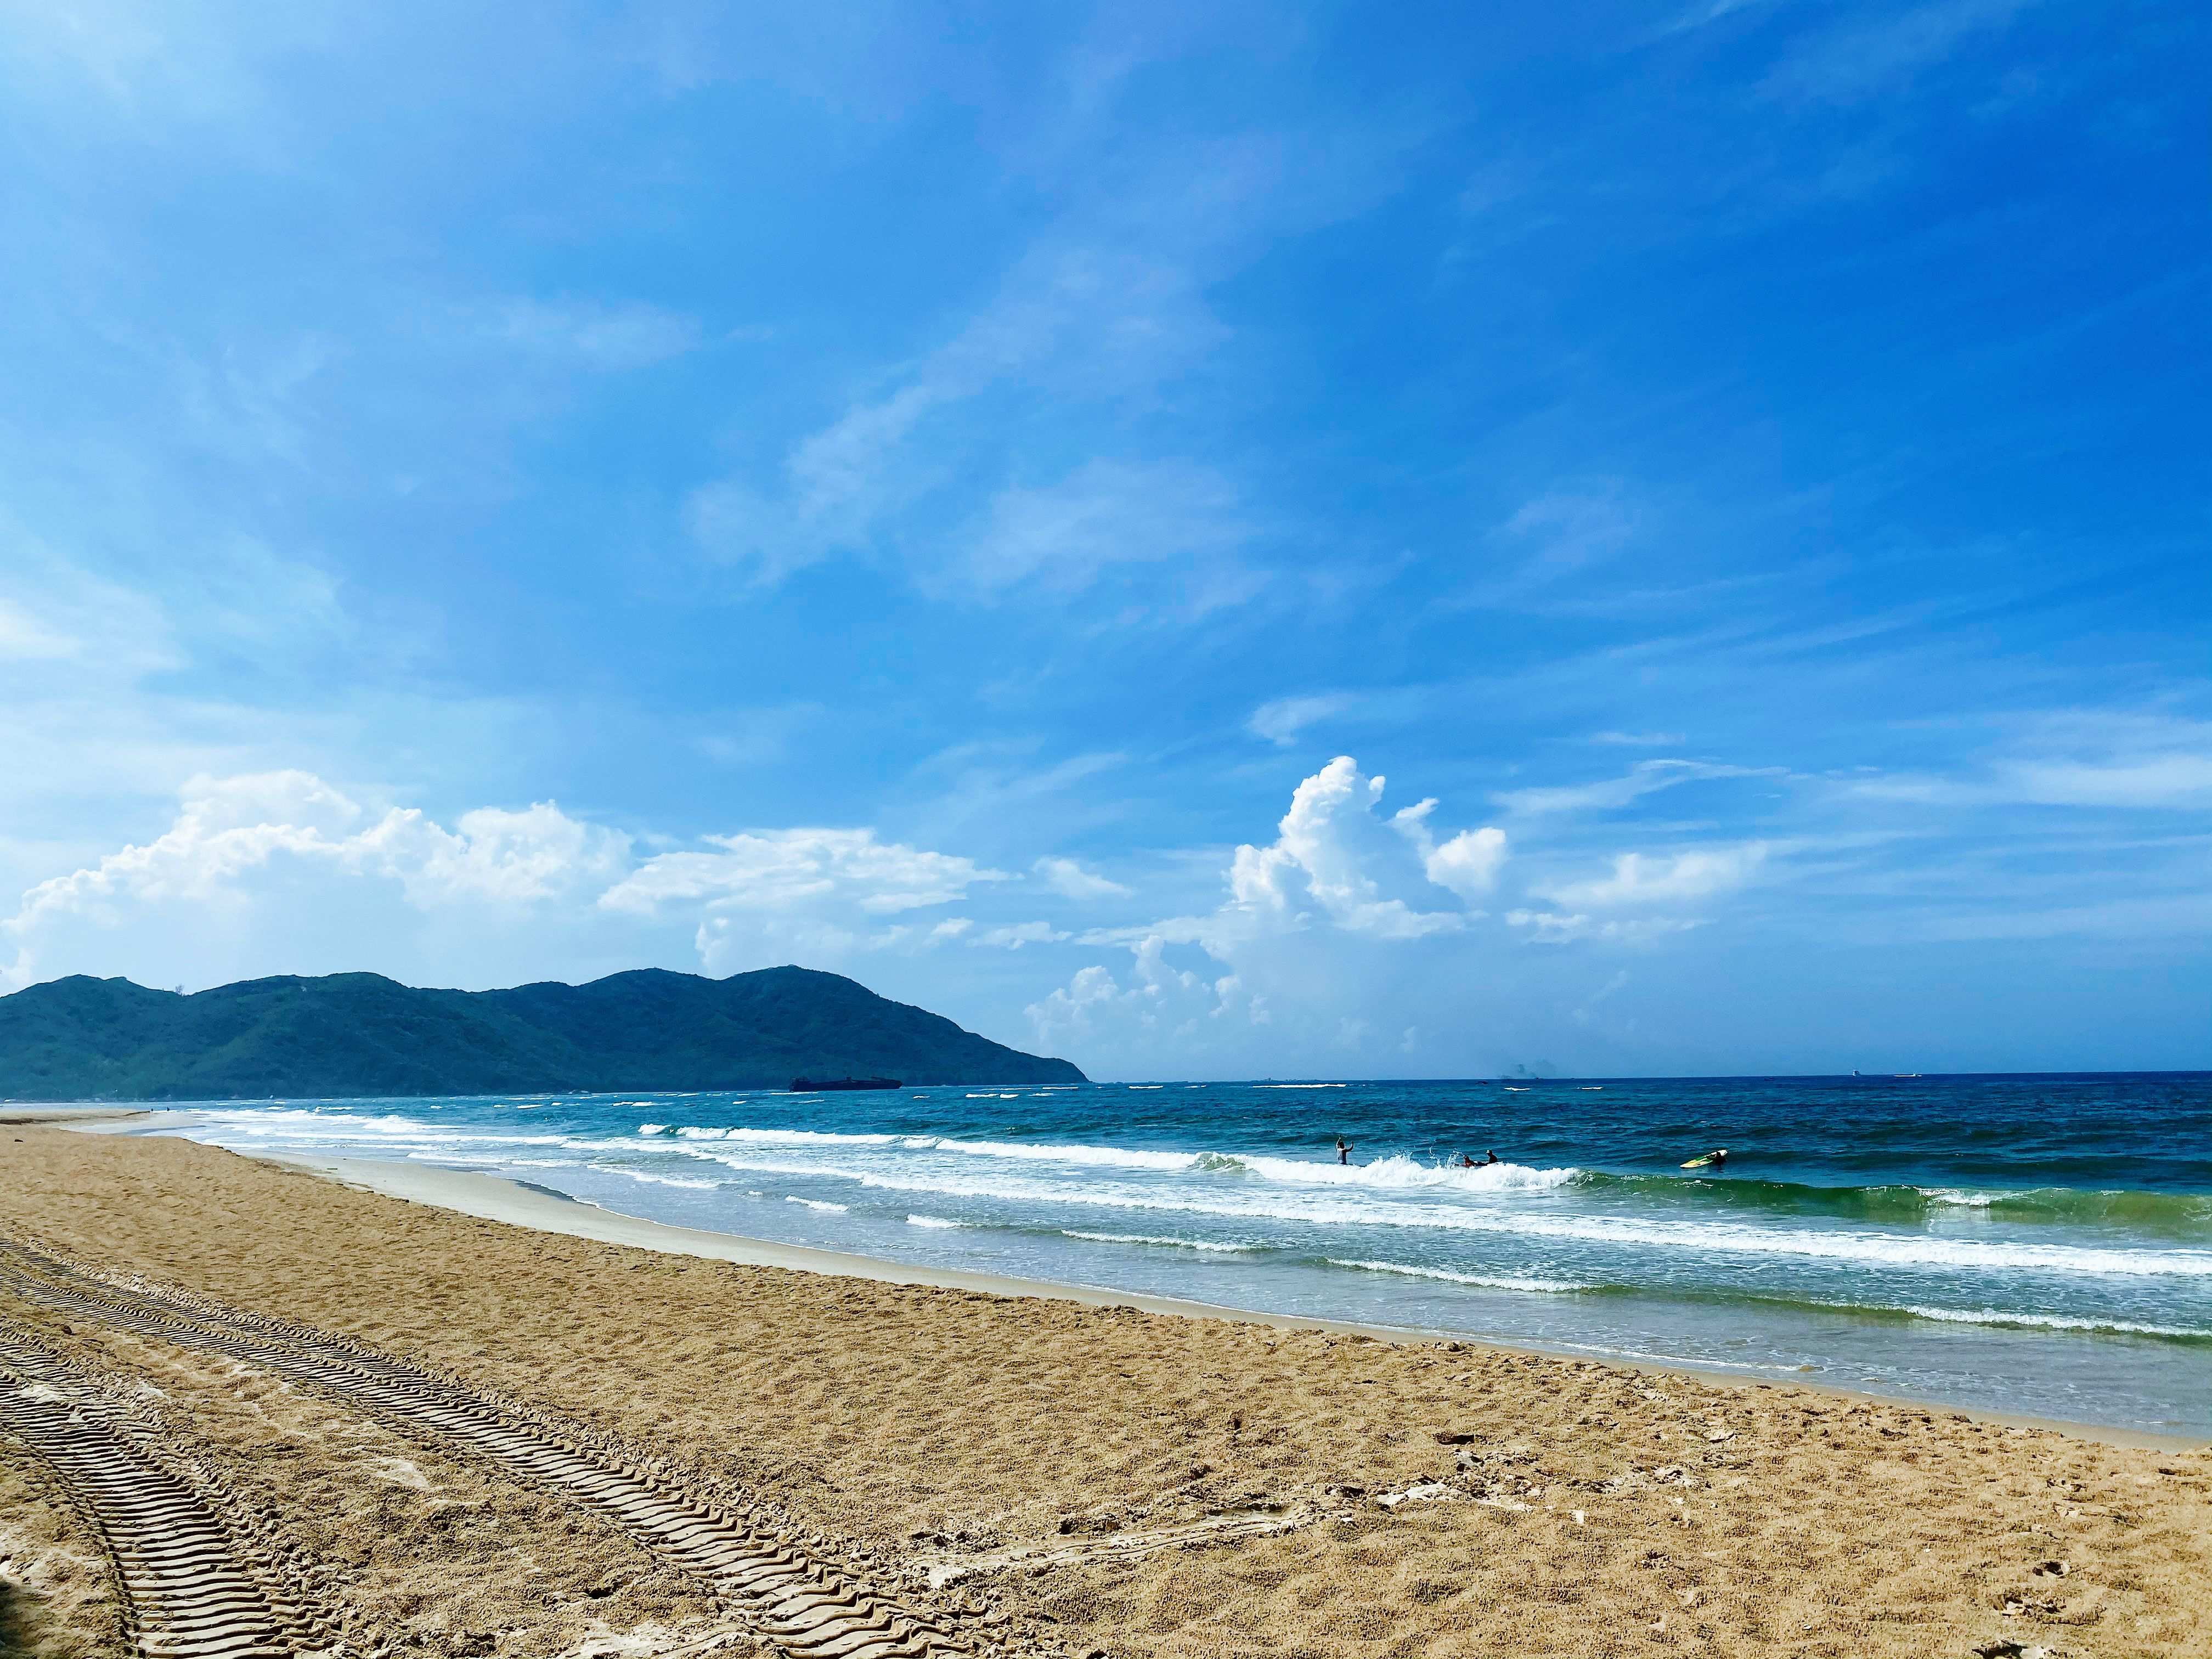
x,y
913,1432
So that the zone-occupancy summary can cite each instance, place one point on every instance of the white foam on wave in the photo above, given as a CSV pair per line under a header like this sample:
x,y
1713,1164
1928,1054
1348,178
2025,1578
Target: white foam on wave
x,y
2055,1322
1971,1201
1300,1085
1405,1173
807,1137
1124,1158
1149,1238
1494,1282
935,1221
651,1180
1395,1172
1629,1232
819,1204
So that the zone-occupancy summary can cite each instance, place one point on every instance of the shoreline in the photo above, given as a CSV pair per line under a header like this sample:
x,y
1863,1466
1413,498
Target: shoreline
x,y
1051,1469
513,1202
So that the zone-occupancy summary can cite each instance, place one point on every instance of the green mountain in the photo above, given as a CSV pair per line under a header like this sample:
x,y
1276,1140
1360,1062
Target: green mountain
x,y
355,1034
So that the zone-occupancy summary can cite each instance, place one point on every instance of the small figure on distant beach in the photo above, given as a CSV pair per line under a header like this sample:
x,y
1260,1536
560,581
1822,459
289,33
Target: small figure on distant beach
x,y
1343,1150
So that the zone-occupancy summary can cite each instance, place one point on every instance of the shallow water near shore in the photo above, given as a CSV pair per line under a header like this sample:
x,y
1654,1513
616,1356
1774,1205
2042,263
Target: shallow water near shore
x,y
2040,1244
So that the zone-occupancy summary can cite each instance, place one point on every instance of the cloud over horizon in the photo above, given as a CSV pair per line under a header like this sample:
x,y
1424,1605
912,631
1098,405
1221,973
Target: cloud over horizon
x,y
951,504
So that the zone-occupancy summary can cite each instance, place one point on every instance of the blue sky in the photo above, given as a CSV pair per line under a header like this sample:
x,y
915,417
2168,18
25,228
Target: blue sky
x,y
1016,504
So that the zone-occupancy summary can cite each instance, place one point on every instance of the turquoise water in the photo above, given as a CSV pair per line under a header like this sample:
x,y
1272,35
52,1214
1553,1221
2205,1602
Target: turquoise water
x,y
2032,1243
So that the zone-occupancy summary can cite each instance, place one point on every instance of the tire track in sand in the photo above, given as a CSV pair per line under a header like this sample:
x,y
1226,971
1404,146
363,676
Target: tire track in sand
x,y
806,1606
185,1592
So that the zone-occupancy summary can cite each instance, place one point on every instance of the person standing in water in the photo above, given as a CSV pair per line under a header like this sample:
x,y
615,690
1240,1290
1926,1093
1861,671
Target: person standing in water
x,y
1343,1150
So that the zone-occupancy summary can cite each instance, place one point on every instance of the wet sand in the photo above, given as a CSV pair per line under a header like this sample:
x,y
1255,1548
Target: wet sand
x,y
933,1428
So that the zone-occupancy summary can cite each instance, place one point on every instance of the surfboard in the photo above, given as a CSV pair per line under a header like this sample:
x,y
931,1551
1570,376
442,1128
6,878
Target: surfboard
x,y
1699,1163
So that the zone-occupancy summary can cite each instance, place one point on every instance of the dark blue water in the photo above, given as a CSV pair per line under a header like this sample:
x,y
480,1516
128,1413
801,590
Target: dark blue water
x,y
2037,1244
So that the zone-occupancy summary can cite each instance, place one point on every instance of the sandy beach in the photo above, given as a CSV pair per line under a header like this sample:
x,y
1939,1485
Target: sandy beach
x,y
1058,1472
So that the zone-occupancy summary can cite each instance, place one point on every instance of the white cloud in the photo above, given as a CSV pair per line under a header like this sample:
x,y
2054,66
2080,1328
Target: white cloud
x,y
283,872
627,334
1637,880
1069,878
25,637
1467,864
1861,61
1642,779
1162,1008
1556,535
1317,920
1093,321
1062,536
778,869
2073,759
1640,739
1021,934
1281,721
241,848
1334,852
1549,927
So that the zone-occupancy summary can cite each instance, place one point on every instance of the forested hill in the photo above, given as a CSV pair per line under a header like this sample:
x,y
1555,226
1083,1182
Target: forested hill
x,y
355,1034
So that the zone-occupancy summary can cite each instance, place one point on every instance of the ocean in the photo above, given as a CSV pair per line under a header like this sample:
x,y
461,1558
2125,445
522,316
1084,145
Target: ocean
x,y
2031,1243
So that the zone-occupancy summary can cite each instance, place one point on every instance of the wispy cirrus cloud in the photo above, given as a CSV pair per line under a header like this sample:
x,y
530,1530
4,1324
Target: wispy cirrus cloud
x,y
2073,759
1643,779
598,333
1068,878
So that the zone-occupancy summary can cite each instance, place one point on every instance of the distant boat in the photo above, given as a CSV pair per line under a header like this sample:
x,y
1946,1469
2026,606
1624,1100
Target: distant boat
x,y
803,1085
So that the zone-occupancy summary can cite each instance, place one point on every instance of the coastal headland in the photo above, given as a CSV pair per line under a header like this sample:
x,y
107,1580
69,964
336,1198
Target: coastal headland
x,y
542,1429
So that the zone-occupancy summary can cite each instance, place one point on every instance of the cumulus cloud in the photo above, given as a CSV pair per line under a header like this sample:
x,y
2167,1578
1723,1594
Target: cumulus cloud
x,y
1333,852
238,841
1312,919
1159,1002
1467,864
281,872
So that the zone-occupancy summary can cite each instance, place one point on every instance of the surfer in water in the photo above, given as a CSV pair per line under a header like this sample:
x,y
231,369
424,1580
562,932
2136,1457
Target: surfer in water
x,y
1467,1162
1343,1150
